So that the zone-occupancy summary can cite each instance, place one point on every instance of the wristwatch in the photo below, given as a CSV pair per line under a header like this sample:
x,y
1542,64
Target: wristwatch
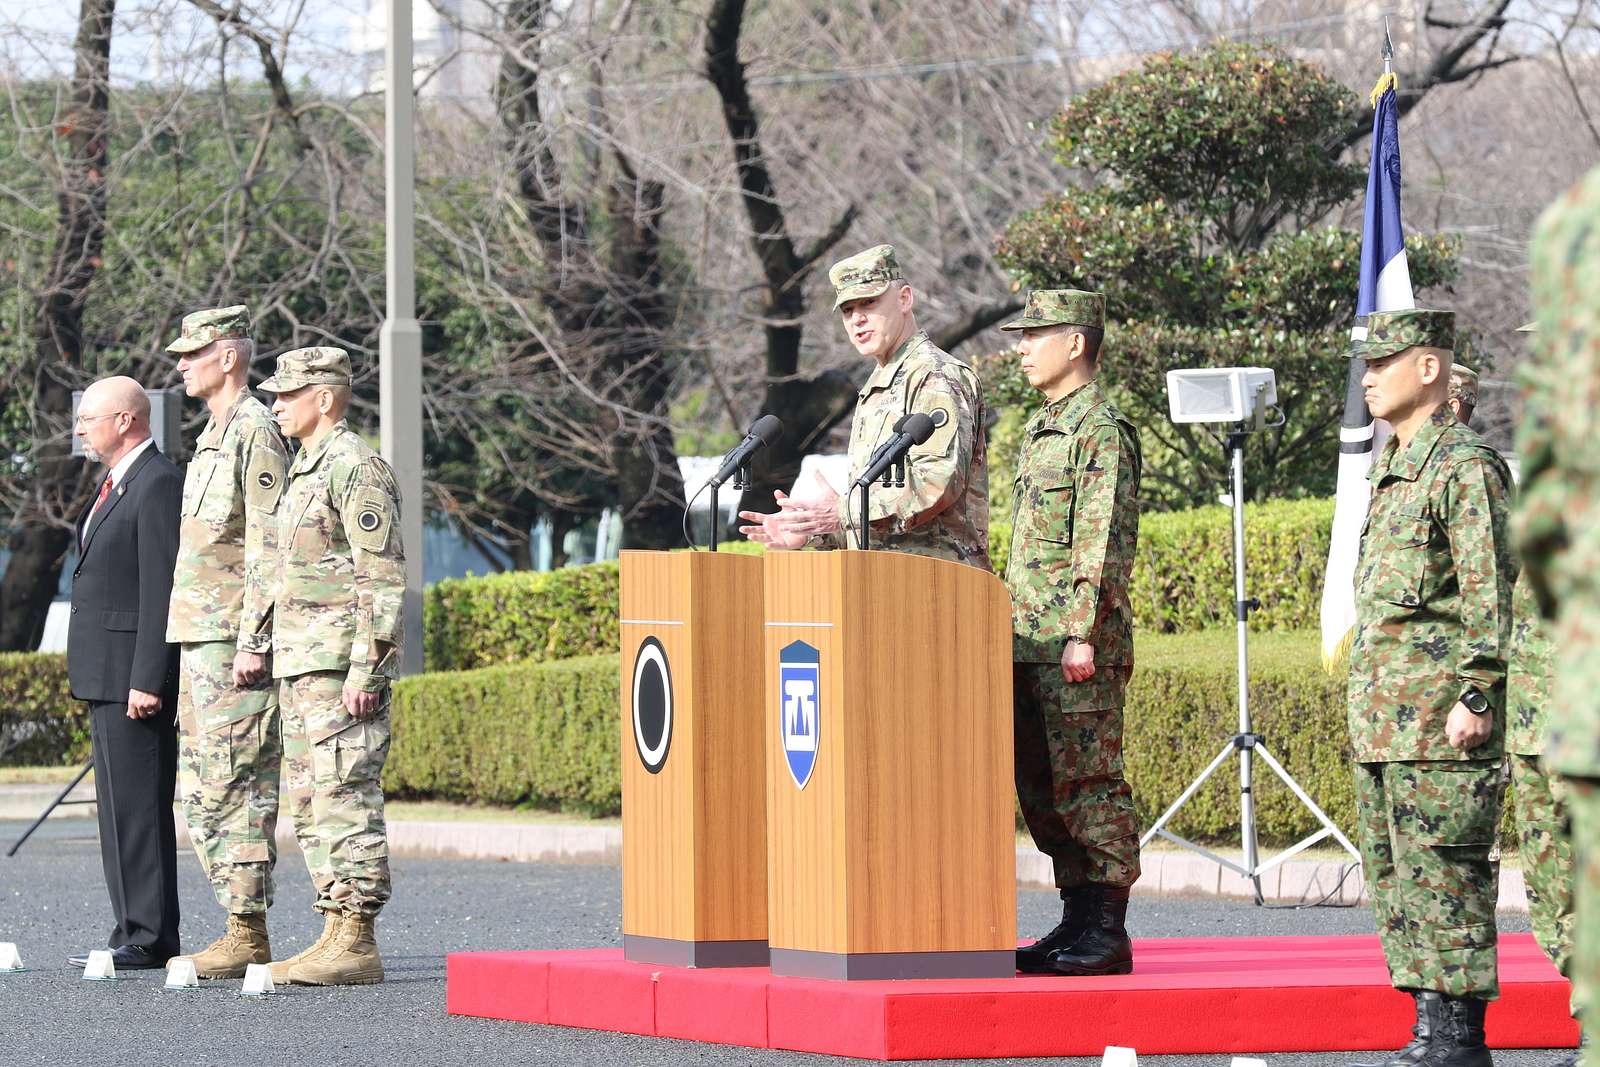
x,y
1475,702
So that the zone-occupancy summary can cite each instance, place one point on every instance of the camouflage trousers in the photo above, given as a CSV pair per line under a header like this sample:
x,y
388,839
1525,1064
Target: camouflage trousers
x,y
1425,831
1545,847
228,757
1583,803
1068,747
332,766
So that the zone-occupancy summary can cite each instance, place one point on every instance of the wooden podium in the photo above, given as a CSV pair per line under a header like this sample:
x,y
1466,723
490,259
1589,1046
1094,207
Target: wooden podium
x,y
694,885
891,841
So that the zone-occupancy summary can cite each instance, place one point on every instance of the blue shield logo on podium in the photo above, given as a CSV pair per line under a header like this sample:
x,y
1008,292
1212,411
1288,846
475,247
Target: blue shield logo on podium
x,y
800,708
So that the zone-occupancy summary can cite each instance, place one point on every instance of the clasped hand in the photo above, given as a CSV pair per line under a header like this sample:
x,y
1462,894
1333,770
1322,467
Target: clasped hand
x,y
796,521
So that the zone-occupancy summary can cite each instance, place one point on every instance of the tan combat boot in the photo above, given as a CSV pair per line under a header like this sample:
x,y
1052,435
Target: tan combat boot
x,y
330,926
351,957
243,942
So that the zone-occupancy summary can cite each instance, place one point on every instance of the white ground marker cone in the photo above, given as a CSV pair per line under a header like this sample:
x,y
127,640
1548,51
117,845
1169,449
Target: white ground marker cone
x,y
257,981
99,968
1117,1056
10,959
181,975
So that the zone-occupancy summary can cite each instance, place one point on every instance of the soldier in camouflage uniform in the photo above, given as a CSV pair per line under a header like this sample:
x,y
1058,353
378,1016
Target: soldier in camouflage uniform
x,y
1427,686
1558,527
338,586
222,615
943,511
1538,798
1073,534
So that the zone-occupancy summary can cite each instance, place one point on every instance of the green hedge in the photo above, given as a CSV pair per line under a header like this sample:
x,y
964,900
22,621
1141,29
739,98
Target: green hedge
x,y
520,617
544,734
548,734
40,723
1183,575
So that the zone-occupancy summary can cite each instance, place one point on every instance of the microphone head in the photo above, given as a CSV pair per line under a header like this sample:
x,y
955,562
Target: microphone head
x,y
769,428
918,427
899,424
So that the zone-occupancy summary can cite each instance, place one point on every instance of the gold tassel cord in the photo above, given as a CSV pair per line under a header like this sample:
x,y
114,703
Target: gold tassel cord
x,y
1337,661
1385,83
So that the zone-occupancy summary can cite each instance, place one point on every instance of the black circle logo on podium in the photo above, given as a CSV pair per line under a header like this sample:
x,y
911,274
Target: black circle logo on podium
x,y
652,705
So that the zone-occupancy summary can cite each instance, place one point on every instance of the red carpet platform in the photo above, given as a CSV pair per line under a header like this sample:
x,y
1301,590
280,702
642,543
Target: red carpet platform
x,y
1199,995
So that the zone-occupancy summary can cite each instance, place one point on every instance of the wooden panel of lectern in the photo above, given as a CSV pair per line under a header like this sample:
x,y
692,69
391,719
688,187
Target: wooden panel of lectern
x,y
859,704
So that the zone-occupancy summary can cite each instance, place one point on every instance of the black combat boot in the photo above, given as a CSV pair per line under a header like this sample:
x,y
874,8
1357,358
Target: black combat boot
x,y
1430,1017
1458,1040
1104,947
1035,958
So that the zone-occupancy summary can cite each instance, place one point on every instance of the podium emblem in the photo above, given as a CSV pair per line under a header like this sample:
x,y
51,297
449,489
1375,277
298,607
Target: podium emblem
x,y
800,708
652,704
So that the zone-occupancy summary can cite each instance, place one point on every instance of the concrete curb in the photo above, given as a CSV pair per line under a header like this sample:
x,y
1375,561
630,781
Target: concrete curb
x,y
1165,873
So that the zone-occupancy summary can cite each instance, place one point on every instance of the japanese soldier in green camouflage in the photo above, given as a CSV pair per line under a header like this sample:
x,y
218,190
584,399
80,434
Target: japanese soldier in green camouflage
x,y
1073,533
1558,534
337,592
221,613
1539,798
943,510
1427,687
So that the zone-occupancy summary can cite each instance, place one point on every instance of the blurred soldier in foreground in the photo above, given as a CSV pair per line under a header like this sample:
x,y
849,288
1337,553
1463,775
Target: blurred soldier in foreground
x,y
1538,798
1558,526
221,614
1427,687
1073,533
339,581
943,511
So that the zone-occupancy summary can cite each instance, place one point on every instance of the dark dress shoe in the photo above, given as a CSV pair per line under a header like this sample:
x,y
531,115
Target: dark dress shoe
x,y
127,958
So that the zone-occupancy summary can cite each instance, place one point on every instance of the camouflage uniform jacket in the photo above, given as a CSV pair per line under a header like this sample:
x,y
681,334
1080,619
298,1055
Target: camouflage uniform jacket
x,y
1528,674
1074,529
943,511
341,569
1558,520
1433,595
225,535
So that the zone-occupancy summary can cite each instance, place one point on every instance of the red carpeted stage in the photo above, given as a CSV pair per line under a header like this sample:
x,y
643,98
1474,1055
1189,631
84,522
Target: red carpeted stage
x,y
1189,995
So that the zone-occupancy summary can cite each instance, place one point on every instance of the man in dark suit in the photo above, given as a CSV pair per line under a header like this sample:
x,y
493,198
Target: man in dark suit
x,y
118,661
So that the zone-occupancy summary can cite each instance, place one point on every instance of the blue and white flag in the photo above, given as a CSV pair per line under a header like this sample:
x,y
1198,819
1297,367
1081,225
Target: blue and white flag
x,y
1385,286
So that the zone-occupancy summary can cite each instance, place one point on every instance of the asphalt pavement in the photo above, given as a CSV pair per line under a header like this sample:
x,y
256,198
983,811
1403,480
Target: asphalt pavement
x,y
53,904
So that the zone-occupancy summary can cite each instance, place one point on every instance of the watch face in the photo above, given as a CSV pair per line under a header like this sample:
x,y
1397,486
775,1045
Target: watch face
x,y
1476,702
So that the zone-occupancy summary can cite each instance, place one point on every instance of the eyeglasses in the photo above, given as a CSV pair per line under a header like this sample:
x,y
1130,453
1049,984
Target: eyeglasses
x,y
84,420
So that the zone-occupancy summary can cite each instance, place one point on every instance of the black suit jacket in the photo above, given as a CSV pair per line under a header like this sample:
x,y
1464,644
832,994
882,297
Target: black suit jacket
x,y
117,636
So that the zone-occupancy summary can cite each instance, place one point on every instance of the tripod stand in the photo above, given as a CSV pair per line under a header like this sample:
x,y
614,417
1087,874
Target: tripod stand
x,y
1246,743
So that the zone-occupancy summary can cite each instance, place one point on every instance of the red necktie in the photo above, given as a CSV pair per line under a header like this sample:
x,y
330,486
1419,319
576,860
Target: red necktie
x,y
105,491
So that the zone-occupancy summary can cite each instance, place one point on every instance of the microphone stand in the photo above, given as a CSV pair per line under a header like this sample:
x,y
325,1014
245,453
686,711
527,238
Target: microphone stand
x,y
741,482
894,477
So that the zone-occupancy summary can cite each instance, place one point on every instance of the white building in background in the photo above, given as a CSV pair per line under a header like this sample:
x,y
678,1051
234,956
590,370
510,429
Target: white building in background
x,y
452,62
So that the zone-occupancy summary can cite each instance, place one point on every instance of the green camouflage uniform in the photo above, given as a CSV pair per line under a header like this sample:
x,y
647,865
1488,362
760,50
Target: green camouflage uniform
x,y
1433,619
1074,528
230,748
1558,526
338,588
1539,798
943,510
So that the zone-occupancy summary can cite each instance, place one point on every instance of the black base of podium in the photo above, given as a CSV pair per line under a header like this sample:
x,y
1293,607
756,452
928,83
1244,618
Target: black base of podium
x,y
878,966
673,953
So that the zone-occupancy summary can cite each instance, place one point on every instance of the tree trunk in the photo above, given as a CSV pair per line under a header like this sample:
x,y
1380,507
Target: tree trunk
x,y
42,532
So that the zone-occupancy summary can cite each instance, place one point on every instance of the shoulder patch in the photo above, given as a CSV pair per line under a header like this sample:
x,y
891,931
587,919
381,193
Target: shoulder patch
x,y
264,478
368,517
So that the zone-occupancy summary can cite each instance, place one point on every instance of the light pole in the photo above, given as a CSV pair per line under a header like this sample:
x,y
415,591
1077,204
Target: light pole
x,y
400,339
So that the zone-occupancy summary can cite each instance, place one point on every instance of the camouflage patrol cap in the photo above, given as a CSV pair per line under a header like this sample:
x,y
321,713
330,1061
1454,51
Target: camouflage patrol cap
x,y
200,328
1464,384
309,366
864,275
1061,307
1392,332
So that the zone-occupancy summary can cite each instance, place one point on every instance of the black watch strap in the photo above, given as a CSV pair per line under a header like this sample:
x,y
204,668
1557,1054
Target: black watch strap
x,y
1475,701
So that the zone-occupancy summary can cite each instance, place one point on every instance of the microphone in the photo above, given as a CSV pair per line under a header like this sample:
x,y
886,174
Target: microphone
x,y
763,433
913,430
